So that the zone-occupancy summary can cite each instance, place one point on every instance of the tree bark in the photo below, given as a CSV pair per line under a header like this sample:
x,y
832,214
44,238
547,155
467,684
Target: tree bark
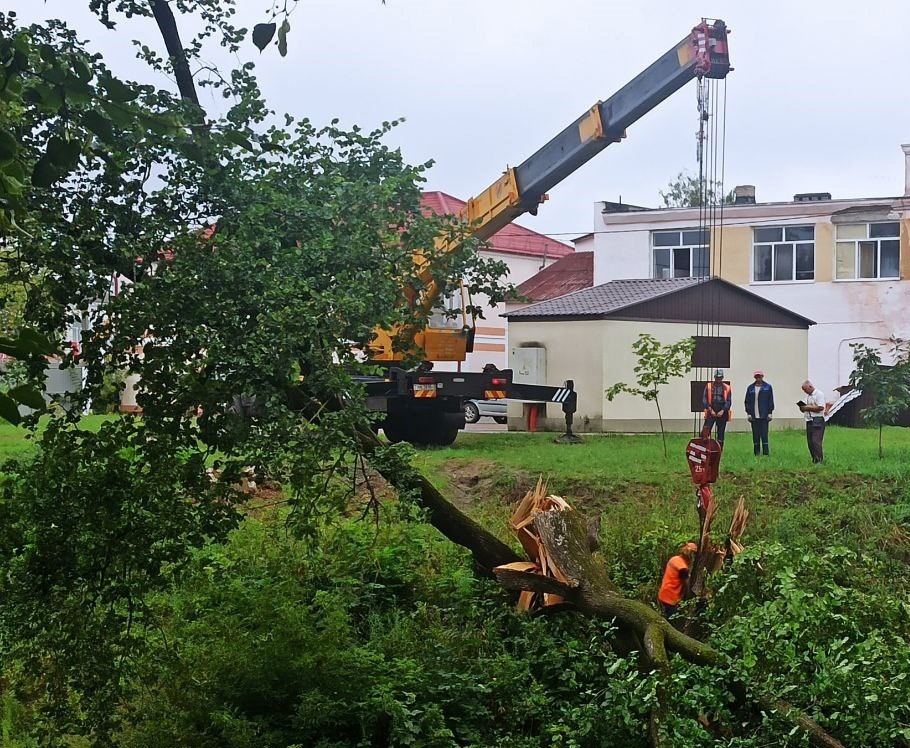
x,y
488,550
167,25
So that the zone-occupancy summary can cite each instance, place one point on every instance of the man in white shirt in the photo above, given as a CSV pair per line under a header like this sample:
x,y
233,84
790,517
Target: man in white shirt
x,y
814,413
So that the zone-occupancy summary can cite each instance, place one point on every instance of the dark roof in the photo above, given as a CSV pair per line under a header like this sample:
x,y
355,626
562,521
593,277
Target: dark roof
x,y
568,274
510,240
710,300
611,207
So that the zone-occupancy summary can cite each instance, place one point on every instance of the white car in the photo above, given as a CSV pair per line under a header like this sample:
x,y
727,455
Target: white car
x,y
474,410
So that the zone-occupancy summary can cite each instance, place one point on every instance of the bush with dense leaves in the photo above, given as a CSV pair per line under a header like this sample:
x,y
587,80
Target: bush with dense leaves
x,y
382,636
826,631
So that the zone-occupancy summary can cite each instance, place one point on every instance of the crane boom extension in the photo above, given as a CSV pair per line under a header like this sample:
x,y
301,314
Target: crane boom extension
x,y
703,53
427,407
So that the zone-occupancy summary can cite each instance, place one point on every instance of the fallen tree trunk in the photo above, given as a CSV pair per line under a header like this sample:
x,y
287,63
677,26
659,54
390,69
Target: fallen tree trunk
x,y
488,550
566,537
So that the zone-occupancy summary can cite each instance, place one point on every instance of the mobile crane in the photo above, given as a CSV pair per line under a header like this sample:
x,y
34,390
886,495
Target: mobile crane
x,y
423,406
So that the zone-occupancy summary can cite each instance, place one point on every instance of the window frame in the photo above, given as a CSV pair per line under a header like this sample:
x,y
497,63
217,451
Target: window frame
x,y
857,248
795,244
678,246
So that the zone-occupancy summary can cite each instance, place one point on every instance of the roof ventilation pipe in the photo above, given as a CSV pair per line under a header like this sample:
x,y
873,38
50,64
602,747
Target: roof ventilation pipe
x,y
744,194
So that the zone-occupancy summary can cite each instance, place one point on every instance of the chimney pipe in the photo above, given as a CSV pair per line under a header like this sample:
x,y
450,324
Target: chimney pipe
x,y
744,194
906,148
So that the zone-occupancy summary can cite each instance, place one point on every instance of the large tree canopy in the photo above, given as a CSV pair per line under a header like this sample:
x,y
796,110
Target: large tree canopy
x,y
259,254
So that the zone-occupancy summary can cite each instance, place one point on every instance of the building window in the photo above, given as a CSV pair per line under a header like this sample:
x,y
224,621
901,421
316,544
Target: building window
x,y
783,253
868,251
680,254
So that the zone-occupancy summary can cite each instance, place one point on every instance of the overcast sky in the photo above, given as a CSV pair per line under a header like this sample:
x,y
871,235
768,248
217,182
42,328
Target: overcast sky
x,y
818,100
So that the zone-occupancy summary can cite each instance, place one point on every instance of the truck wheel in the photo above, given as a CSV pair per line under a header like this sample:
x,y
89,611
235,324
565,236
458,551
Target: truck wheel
x,y
394,431
446,437
471,413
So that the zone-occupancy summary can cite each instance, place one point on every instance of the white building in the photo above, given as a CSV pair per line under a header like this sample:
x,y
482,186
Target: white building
x,y
844,263
525,252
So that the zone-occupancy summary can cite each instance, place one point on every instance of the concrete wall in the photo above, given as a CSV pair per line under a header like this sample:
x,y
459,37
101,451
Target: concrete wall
x,y
597,354
847,312
621,254
574,351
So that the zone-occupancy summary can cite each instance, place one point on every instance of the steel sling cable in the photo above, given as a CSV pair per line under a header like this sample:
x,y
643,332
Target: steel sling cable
x,y
712,167
702,93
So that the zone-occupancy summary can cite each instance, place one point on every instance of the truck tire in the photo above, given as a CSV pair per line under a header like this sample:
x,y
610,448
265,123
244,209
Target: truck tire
x,y
500,419
446,437
395,431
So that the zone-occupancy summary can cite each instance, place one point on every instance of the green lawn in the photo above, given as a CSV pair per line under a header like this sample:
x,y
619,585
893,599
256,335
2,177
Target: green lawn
x,y
646,501
16,440
640,456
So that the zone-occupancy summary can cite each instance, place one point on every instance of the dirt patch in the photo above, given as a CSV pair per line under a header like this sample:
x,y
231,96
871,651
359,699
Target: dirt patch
x,y
473,482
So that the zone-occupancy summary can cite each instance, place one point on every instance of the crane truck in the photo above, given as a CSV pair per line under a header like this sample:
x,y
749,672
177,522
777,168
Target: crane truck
x,y
423,406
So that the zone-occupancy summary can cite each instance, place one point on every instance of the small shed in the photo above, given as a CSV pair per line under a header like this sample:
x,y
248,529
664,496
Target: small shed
x,y
587,336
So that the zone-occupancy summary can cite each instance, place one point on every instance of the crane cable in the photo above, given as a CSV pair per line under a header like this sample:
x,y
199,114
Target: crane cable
x,y
711,151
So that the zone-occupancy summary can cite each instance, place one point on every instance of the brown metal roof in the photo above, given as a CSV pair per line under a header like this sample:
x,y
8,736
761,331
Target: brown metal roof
x,y
664,299
567,275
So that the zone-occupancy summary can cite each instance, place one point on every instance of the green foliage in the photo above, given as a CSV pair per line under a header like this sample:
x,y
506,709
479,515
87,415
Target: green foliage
x,y
380,636
262,256
88,528
15,389
688,191
808,627
889,386
107,395
657,365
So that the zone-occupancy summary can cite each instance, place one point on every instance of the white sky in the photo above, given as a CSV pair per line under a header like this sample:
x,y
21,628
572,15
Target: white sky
x,y
818,100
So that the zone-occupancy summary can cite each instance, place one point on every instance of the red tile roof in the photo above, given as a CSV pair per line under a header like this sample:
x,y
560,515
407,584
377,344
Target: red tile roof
x,y
571,273
513,239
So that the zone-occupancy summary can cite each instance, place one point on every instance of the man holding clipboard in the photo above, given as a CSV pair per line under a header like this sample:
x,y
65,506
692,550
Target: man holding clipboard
x,y
813,409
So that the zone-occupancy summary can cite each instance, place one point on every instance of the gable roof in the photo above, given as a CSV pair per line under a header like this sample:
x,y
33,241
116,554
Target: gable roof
x,y
568,274
711,300
512,239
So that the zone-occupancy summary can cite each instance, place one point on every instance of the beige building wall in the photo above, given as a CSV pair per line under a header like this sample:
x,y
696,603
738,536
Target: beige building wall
x,y
905,249
824,252
598,353
573,351
736,243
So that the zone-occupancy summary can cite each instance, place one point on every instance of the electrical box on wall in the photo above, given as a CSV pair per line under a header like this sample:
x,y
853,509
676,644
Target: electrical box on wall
x,y
529,365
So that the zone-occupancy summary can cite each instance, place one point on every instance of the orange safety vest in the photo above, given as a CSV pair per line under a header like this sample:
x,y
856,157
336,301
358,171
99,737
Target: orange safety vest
x,y
709,389
672,585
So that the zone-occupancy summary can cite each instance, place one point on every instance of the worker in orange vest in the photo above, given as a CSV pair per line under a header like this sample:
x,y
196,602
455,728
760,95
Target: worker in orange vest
x,y
717,400
673,585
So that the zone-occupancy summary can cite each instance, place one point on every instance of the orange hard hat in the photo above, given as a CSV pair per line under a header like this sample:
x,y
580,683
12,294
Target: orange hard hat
x,y
690,546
